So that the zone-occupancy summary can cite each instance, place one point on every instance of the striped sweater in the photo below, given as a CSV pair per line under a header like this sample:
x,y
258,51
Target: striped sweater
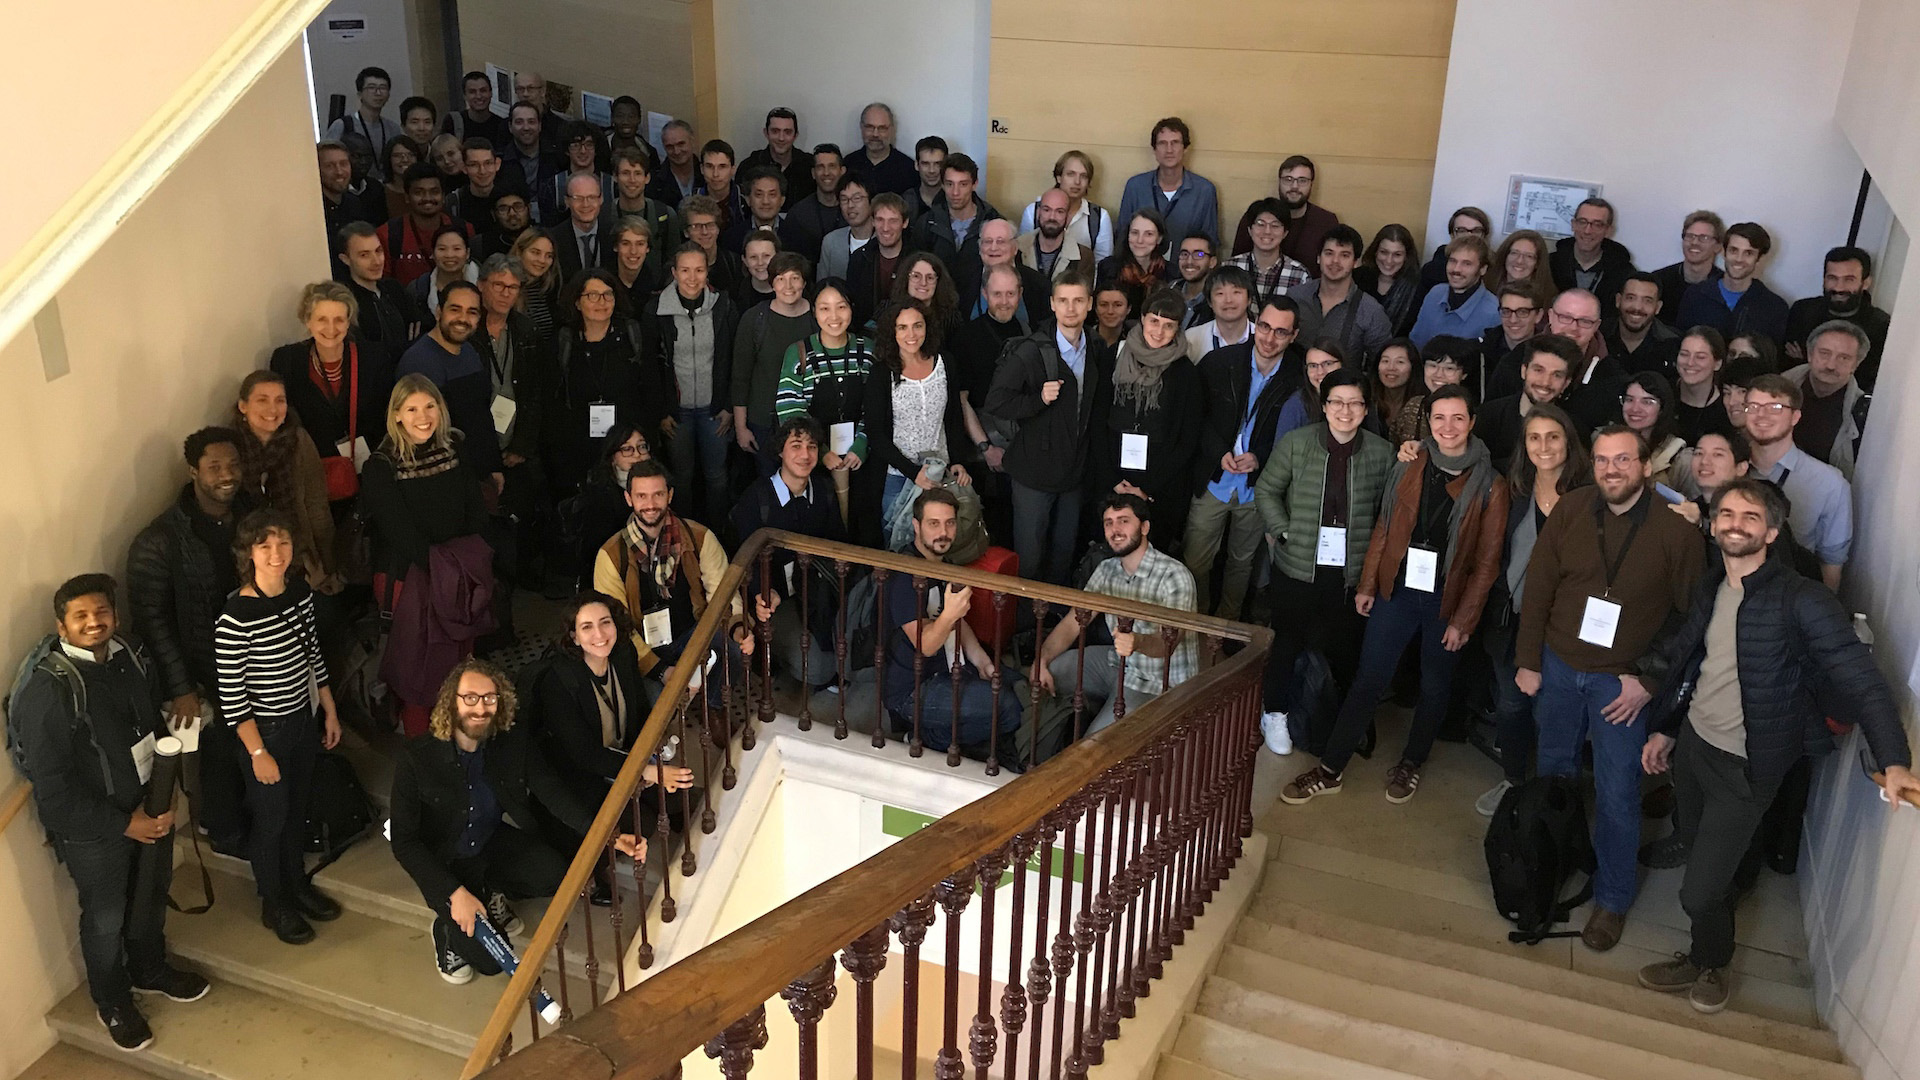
x,y
266,654
830,384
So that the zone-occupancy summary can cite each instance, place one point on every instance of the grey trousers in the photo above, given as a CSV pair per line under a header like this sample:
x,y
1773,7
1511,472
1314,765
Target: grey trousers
x,y
1717,807
1095,681
1207,522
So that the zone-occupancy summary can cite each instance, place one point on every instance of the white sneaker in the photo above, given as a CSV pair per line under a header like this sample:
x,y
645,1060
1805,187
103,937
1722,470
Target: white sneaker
x,y
1273,725
1489,803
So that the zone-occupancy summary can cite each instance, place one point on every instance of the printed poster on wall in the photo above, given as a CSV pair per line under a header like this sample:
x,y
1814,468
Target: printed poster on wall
x,y
502,81
596,109
1545,205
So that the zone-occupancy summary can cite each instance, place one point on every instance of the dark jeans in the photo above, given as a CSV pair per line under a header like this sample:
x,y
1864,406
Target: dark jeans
x,y
516,863
977,717
277,842
1512,711
1717,807
219,784
1315,614
700,456
1045,528
123,911
1395,621
1567,713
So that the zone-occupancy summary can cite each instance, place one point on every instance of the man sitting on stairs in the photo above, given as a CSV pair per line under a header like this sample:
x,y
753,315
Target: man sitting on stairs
x,y
463,824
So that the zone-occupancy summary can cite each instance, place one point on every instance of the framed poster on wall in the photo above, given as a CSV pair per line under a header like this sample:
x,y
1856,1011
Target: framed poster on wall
x,y
502,81
1545,205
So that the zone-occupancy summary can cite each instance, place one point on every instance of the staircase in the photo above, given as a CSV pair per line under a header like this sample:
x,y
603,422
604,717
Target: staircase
x,y
1355,966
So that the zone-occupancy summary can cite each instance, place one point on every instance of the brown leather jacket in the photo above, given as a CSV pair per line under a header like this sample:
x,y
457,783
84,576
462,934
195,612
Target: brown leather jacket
x,y
1473,562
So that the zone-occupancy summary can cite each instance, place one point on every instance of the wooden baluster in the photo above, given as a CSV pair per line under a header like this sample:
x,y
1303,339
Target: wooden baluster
x,y
1083,932
615,917
1082,616
1093,1042
1000,600
738,697
1013,999
663,841
1250,752
1125,800
1121,625
764,630
724,737
593,959
1041,609
1155,945
1039,972
1169,637
953,731
982,1036
914,746
864,959
689,861
879,659
735,1046
1197,803
911,925
560,968
804,571
640,890
840,647
707,818
1063,965
1182,835
1133,975
808,997
953,894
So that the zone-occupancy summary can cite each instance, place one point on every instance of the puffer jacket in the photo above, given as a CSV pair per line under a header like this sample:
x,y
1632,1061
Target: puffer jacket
x,y
1292,489
173,599
1793,638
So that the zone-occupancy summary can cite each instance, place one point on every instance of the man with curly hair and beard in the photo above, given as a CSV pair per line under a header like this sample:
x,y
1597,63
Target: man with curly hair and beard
x,y
454,791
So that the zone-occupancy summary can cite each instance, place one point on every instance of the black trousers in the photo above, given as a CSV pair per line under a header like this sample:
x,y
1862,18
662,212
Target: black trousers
x,y
1315,614
217,782
123,911
1717,806
276,844
516,863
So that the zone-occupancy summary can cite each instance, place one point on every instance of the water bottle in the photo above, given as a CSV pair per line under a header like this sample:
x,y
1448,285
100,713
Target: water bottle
x,y
502,954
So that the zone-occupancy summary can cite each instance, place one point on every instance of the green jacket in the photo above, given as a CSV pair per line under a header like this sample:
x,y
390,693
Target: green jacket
x,y
1291,487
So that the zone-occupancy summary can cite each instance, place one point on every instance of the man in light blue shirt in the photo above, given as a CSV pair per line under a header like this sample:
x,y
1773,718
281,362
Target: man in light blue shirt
x,y
1462,307
1822,511
1187,200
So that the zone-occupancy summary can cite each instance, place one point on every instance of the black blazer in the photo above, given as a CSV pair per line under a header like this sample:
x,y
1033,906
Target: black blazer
x,y
1050,450
429,804
862,278
566,252
1616,264
324,419
1226,380
565,712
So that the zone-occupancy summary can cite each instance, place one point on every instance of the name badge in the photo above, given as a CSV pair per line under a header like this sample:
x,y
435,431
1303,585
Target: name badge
x,y
1423,568
1133,451
600,418
840,437
1333,547
656,628
503,410
1599,622
143,758
357,452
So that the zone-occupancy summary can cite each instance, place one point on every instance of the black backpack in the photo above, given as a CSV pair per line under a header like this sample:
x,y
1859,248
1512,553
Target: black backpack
x,y
338,813
1537,841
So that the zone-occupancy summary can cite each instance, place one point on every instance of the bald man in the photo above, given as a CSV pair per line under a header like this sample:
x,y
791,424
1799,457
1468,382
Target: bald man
x,y
531,87
1046,248
586,238
1593,395
997,249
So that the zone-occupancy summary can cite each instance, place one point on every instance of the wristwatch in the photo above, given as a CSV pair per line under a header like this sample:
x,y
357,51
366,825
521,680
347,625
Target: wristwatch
x,y
982,445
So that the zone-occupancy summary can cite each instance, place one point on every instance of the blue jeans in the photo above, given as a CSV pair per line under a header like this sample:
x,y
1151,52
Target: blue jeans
x,y
977,718
696,443
123,911
1567,713
894,485
1396,620
1512,717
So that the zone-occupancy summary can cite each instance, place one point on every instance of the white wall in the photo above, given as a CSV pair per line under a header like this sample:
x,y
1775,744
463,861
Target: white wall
x,y
1721,104
385,44
827,61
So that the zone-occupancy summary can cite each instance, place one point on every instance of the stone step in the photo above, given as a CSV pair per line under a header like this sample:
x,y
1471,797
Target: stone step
x,y
68,1062
236,1034
1370,1042
1495,1016
1524,986
1225,1050
1767,985
1179,1068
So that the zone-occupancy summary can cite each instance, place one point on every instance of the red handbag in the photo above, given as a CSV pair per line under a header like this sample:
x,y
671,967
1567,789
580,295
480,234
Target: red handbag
x,y
343,480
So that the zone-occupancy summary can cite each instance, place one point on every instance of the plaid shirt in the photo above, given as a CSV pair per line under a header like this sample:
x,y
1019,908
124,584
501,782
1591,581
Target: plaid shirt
x,y
1284,275
1163,580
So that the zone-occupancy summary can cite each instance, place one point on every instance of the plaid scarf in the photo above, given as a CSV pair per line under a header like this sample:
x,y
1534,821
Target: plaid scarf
x,y
658,559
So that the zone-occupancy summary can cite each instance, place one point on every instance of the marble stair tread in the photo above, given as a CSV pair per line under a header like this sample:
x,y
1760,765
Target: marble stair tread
x,y
1226,1050
236,1034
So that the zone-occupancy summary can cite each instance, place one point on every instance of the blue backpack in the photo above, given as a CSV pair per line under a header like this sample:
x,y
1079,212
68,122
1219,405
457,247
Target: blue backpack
x,y
46,656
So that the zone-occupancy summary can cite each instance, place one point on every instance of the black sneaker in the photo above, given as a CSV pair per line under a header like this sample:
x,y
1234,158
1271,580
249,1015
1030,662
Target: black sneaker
x,y
446,959
127,1027
500,914
315,904
176,984
1665,853
287,924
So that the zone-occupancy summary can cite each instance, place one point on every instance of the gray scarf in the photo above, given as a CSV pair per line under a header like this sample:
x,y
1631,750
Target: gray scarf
x,y
1475,462
1136,374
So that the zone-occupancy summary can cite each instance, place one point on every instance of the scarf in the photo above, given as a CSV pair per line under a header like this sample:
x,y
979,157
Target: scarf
x,y
658,559
1475,462
1137,371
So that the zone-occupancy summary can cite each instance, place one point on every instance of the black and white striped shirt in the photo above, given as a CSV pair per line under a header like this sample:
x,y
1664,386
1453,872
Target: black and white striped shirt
x,y
266,653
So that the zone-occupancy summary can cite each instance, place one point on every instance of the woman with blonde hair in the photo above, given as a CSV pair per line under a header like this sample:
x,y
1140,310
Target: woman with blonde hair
x,y
280,469
540,289
1087,224
1522,257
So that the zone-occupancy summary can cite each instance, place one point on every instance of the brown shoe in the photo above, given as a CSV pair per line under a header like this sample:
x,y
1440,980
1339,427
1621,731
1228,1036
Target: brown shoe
x,y
1310,784
1402,781
1603,929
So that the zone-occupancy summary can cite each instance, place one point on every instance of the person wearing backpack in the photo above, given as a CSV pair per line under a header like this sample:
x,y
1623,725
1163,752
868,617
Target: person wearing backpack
x,y
797,498
82,718
1757,637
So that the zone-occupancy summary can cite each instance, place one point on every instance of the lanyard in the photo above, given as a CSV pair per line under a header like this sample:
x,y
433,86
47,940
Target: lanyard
x,y
1430,502
1600,530
351,361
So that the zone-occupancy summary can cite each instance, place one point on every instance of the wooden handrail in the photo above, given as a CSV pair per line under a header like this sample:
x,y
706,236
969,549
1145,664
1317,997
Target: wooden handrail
x,y
1911,798
647,1030
16,801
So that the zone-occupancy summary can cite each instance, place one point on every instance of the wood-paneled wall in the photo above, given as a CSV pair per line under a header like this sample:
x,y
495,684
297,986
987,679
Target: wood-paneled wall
x,y
1354,84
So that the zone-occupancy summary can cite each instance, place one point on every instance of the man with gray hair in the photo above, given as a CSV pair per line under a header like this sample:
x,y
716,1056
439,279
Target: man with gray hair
x,y
1833,409
880,164
517,364
996,251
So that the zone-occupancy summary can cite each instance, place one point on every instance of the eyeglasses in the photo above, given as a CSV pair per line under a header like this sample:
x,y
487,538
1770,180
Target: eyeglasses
x,y
632,448
476,699
702,226
1588,223
1518,312
1345,405
1584,324
1469,230
1296,181
1195,256
1697,238
597,297
1754,408
1643,402
1323,365
1276,331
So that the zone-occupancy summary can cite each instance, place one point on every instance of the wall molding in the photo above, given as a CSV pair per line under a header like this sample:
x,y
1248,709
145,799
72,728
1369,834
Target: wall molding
x,y
51,256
